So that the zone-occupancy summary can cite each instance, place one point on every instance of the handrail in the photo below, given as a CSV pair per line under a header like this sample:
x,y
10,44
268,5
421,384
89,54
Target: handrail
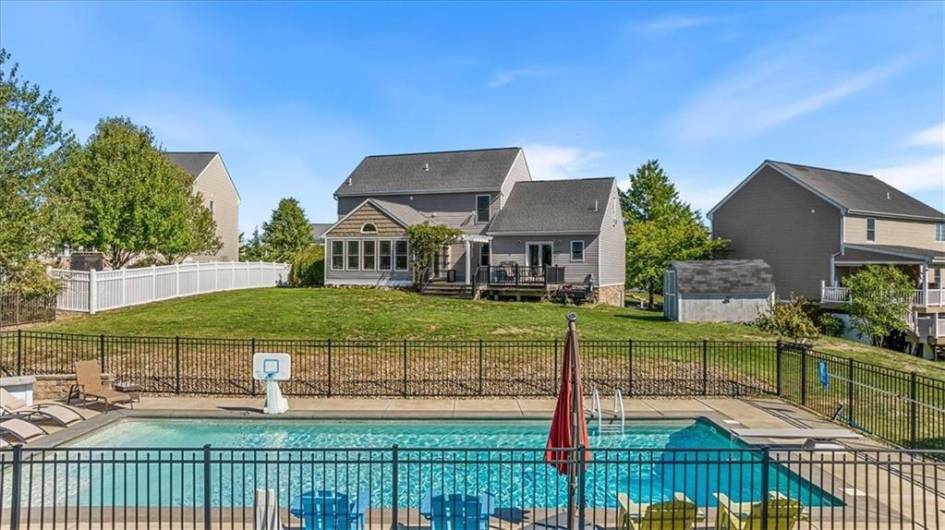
x,y
618,407
596,411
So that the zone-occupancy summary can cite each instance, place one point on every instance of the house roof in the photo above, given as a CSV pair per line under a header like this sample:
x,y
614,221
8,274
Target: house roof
x,y
193,162
868,251
858,192
407,216
554,206
437,172
723,276
319,229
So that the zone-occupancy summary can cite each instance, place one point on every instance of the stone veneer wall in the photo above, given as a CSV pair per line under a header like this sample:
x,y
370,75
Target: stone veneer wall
x,y
611,295
56,386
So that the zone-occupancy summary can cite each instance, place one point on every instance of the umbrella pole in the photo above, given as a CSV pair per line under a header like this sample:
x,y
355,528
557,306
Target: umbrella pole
x,y
577,415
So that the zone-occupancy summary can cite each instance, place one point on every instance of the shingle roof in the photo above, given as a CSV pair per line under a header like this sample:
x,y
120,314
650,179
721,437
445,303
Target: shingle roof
x,y
193,162
857,192
562,206
723,276
919,254
319,229
445,171
401,212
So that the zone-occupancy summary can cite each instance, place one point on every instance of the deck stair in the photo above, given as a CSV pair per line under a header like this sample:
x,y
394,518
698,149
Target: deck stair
x,y
448,289
615,423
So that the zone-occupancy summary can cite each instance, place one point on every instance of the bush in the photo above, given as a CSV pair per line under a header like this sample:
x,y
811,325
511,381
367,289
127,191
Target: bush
x,y
308,267
791,319
29,279
830,325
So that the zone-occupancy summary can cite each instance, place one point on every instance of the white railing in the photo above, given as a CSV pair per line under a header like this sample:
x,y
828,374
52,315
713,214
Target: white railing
x,y
940,327
920,297
834,294
94,291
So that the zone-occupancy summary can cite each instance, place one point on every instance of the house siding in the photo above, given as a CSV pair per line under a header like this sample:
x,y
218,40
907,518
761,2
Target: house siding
x,y
517,173
773,218
511,249
918,234
214,184
366,214
613,243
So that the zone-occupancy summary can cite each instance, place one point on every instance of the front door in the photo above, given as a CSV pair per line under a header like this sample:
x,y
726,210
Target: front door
x,y
539,255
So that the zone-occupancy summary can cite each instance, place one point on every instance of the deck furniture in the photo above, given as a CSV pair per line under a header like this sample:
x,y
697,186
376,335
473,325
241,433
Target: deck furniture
x,y
782,513
89,385
266,511
21,430
680,513
11,405
330,510
457,511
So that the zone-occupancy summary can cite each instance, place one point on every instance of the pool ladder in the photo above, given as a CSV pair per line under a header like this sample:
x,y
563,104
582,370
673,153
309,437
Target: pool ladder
x,y
617,422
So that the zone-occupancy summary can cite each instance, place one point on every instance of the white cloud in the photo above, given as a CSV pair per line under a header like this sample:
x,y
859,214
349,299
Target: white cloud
x,y
674,23
505,77
933,136
553,162
919,175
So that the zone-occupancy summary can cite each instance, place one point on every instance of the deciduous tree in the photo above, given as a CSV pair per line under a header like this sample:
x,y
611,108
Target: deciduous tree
x,y
880,301
425,240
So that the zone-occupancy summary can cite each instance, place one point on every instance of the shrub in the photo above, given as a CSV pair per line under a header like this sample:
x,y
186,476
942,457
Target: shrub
x,y
830,325
308,267
790,319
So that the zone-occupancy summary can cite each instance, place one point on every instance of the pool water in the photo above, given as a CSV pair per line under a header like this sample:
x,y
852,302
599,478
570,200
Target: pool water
x,y
650,462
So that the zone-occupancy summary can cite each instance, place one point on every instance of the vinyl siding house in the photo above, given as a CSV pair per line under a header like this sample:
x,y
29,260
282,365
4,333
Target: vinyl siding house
x,y
220,196
516,233
815,226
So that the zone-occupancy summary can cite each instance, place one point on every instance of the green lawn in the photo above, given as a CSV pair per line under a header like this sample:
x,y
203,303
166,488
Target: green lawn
x,y
394,314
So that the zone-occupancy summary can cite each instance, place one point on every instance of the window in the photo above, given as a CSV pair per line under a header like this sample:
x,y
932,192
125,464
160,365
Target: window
x,y
577,251
400,255
482,208
871,229
368,228
369,256
940,232
353,255
385,256
337,255
484,255
211,207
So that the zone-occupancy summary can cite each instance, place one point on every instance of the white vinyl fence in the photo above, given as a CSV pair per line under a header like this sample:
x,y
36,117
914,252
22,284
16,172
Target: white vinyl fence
x,y
95,291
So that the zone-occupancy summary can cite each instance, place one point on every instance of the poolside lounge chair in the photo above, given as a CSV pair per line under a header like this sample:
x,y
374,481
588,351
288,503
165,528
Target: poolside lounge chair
x,y
89,385
266,511
21,430
678,514
331,510
11,405
457,511
783,513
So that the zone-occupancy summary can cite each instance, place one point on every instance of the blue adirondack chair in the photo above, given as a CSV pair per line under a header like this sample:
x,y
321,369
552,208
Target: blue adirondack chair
x,y
457,511
330,510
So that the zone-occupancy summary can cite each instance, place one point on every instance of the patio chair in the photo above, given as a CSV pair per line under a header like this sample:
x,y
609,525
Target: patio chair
x,y
680,513
783,513
88,378
20,430
11,405
266,511
331,510
457,511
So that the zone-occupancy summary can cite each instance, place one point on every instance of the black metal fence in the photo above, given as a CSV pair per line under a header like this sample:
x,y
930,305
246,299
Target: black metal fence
x,y
16,309
903,408
470,488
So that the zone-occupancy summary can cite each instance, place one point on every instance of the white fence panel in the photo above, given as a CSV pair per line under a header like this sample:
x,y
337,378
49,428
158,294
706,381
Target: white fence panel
x,y
102,290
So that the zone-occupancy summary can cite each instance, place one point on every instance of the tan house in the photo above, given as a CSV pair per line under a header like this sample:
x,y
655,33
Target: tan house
x,y
814,226
519,237
220,196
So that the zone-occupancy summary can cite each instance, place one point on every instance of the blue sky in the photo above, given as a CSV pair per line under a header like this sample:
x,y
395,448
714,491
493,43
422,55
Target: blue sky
x,y
294,95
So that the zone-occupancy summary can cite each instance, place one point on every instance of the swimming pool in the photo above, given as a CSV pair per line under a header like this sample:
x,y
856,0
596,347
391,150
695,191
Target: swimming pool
x,y
156,462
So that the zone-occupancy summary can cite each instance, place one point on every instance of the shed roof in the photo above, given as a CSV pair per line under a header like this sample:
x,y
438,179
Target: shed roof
x,y
723,276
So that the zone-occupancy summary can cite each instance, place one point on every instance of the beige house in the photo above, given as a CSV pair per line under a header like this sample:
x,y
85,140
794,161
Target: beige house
x,y
815,226
220,196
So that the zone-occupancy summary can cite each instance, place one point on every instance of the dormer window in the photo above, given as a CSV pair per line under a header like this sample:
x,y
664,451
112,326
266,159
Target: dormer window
x,y
368,228
482,208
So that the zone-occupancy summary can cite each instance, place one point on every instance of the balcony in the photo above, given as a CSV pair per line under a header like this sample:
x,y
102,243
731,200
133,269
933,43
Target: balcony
x,y
921,298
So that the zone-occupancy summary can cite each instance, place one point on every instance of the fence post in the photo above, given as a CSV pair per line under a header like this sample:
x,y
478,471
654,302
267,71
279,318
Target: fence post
x,y
16,309
914,409
19,352
629,367
850,391
779,349
765,485
216,276
101,352
803,376
555,368
177,364
405,367
206,487
124,288
480,367
93,292
153,282
176,280
705,367
329,367
395,489
252,351
582,486
16,487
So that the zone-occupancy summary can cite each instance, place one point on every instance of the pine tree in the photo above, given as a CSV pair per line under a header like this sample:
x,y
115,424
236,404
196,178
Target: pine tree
x,y
287,232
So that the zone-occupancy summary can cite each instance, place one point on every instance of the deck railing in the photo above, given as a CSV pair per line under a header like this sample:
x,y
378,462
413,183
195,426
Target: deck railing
x,y
903,408
919,297
391,487
515,275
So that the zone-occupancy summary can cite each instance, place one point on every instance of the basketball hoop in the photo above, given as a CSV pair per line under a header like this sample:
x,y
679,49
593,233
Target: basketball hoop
x,y
272,368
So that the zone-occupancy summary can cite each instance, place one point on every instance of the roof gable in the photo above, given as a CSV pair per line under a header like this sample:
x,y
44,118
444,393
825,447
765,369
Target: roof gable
x,y
555,206
438,172
193,162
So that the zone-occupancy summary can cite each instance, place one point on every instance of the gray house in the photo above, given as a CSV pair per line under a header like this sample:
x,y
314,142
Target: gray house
x,y
724,290
519,236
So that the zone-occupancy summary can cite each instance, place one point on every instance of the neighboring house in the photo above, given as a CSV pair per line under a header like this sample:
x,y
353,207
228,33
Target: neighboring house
x,y
815,226
723,290
318,232
518,234
220,196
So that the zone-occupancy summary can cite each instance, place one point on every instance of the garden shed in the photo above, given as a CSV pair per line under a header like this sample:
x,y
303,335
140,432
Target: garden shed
x,y
717,290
